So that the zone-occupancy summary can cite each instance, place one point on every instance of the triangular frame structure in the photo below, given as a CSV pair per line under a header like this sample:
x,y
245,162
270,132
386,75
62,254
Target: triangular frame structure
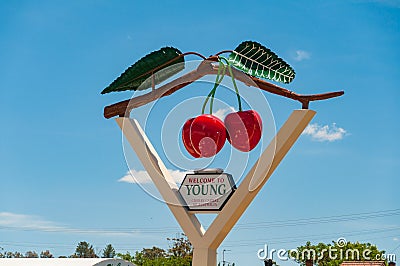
x,y
206,242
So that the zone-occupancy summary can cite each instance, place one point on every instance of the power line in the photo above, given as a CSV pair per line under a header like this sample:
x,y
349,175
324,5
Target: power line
x,y
318,220
246,226
243,243
232,244
398,246
291,239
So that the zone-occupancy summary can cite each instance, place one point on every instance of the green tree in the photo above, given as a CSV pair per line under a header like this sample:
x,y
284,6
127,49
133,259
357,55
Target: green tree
x,y
334,254
127,256
180,253
108,252
168,261
31,254
180,247
149,256
15,254
84,250
46,254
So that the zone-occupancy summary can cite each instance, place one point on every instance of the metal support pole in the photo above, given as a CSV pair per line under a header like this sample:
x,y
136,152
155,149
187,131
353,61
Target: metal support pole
x,y
223,256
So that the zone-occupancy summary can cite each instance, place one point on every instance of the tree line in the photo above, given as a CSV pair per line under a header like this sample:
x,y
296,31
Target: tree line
x,y
83,250
179,253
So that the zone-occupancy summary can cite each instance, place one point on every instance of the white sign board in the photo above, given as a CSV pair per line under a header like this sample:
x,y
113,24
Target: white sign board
x,y
207,190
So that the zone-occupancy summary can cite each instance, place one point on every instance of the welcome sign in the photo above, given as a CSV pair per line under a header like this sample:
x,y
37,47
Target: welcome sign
x,y
207,189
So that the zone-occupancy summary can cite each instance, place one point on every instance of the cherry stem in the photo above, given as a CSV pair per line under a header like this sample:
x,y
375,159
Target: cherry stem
x,y
221,65
234,82
218,80
211,92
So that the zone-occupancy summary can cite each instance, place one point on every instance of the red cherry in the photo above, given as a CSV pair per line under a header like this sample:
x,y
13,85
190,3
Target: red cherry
x,y
208,135
186,138
244,129
204,136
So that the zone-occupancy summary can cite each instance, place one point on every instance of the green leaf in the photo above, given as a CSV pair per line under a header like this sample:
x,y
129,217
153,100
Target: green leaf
x,y
135,77
259,61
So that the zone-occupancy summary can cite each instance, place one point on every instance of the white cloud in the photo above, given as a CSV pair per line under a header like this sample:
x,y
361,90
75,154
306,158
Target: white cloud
x,y
177,175
395,239
324,133
302,55
29,222
24,222
142,177
221,113
133,176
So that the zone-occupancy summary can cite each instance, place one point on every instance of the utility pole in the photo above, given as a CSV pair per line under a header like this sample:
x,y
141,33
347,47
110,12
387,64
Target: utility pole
x,y
268,262
223,256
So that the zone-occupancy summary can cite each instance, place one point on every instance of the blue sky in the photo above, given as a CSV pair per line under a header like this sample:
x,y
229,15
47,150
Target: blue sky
x,y
61,161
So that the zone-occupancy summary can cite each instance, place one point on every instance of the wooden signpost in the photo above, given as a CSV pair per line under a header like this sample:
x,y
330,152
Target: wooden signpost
x,y
205,243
